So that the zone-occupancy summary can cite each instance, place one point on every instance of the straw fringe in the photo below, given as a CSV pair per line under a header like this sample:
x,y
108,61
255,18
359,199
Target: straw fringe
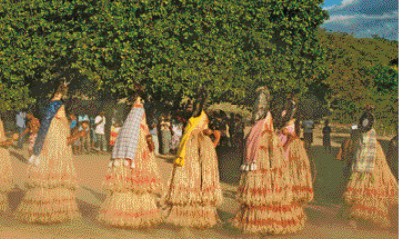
x,y
47,206
271,220
369,195
122,178
194,189
300,172
6,180
50,197
129,209
271,199
271,183
131,200
4,202
196,216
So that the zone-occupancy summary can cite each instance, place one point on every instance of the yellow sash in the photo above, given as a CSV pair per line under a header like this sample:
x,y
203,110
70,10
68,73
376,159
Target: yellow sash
x,y
192,123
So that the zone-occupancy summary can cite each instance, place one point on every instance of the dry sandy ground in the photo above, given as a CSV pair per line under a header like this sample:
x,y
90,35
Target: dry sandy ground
x,y
324,214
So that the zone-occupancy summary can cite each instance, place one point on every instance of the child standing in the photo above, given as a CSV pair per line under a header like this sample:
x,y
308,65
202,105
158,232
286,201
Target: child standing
x,y
99,132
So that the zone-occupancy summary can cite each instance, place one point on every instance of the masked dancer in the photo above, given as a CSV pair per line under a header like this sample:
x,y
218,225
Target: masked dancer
x,y
52,179
265,188
133,181
288,130
372,188
194,190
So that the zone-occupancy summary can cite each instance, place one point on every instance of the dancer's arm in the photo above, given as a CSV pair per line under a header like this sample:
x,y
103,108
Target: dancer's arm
x,y
150,143
35,126
6,143
217,135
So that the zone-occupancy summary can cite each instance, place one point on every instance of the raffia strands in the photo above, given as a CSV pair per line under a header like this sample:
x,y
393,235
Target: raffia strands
x,y
266,194
370,195
50,197
300,172
194,190
4,202
271,183
132,192
144,177
6,180
129,209
271,220
47,206
196,216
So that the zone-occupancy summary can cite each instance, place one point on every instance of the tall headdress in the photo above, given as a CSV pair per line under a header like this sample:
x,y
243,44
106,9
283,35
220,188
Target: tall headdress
x,y
262,103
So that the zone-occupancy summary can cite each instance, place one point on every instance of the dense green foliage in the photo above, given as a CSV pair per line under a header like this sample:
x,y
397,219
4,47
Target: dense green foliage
x,y
172,47
358,72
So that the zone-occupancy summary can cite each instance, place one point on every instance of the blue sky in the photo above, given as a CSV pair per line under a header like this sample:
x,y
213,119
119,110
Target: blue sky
x,y
329,3
363,18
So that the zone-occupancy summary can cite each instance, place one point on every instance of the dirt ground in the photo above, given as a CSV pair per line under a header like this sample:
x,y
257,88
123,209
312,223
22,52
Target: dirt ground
x,y
324,214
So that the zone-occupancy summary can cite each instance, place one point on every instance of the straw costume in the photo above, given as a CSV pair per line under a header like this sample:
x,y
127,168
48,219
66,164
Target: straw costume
x,y
372,189
6,181
52,180
194,189
133,181
265,188
298,160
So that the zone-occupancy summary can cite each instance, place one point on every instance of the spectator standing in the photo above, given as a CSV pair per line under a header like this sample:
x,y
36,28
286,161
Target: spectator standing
x,y
165,133
85,140
327,136
99,125
93,136
20,120
308,126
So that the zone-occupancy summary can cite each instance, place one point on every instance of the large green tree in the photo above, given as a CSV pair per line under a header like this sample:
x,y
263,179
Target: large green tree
x,y
235,46
358,73
171,47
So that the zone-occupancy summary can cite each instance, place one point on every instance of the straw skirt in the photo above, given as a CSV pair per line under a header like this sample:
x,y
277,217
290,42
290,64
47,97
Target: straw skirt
x,y
50,197
369,196
133,192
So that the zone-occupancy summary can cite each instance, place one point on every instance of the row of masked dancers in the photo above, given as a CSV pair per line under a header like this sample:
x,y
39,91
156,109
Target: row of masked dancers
x,y
275,184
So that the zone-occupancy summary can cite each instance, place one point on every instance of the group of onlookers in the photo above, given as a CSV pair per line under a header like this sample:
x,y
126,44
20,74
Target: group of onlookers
x,y
93,141
166,129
